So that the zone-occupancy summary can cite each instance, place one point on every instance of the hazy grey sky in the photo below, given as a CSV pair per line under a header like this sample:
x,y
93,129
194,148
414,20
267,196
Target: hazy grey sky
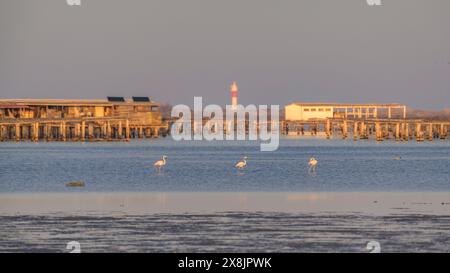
x,y
277,50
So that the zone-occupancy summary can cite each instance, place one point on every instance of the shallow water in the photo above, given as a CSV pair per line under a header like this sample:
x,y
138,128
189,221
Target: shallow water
x,y
208,166
226,232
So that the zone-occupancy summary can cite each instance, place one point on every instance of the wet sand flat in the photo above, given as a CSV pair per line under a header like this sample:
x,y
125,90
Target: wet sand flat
x,y
226,232
379,203
225,222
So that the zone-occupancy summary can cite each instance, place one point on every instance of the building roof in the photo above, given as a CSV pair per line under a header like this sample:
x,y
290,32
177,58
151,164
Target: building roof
x,y
347,104
17,103
12,106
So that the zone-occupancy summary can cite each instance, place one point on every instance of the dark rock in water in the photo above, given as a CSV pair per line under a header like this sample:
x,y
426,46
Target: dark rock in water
x,y
75,184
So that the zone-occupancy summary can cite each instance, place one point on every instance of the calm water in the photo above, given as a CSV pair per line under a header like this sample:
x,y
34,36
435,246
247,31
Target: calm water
x,y
208,166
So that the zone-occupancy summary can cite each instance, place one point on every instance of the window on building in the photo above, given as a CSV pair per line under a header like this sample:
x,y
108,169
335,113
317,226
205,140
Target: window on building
x,y
328,109
320,109
306,109
313,109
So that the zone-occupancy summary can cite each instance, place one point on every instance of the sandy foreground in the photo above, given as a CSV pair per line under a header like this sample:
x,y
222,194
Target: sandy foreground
x,y
378,203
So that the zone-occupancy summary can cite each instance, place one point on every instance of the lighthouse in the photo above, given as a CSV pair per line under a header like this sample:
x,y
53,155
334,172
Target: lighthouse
x,y
234,92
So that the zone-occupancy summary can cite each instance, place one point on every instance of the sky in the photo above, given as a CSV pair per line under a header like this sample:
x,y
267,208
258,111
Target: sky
x,y
278,51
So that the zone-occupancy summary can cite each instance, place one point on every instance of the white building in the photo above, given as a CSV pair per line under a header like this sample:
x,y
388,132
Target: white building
x,y
316,111
302,111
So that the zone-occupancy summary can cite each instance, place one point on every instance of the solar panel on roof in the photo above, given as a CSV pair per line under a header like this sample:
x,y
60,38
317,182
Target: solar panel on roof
x,y
141,99
116,99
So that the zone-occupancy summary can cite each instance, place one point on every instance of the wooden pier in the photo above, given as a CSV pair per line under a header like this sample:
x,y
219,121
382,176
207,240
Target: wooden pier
x,y
86,129
117,119
69,120
378,129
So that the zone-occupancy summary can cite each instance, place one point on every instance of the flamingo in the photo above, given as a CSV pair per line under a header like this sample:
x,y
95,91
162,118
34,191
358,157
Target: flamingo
x,y
241,164
312,164
160,163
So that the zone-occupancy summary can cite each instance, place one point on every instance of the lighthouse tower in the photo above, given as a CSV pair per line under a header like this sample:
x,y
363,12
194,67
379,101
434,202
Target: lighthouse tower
x,y
234,92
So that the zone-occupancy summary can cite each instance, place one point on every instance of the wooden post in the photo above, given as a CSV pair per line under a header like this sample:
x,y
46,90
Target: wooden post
x,y
155,132
377,131
406,131
442,134
366,130
127,129
344,129
108,130
83,130
78,131
48,130
62,131
397,131
430,132
44,131
141,134
90,130
35,135
402,132
362,130
386,131
1,133
418,131
327,128
355,130
4,133
119,130
17,133
103,130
